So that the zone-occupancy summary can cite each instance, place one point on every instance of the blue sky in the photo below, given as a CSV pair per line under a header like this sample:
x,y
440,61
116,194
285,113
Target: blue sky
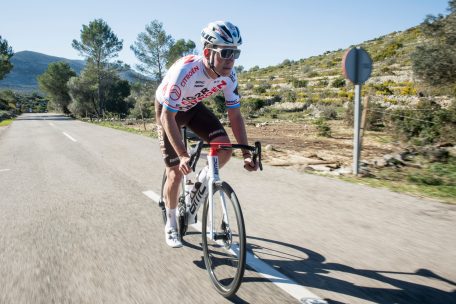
x,y
272,31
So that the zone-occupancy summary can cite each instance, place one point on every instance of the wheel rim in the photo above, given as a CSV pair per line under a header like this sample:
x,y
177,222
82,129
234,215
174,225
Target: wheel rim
x,y
225,257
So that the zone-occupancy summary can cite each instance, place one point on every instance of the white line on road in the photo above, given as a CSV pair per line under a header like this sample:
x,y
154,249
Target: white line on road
x,y
152,195
4,170
291,287
51,124
69,137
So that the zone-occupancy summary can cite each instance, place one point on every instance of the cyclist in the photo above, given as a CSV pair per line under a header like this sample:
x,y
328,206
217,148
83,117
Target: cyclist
x,y
178,98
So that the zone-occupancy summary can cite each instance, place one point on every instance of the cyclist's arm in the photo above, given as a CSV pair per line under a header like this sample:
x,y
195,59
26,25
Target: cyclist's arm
x,y
238,127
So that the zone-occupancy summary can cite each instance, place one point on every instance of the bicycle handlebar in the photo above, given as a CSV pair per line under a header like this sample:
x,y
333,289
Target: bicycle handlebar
x,y
195,152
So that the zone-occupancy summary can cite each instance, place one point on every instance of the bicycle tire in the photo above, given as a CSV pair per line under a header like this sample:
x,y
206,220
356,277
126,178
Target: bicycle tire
x,y
161,202
225,261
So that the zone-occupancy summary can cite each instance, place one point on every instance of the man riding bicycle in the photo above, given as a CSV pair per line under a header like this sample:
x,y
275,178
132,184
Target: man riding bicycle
x,y
190,80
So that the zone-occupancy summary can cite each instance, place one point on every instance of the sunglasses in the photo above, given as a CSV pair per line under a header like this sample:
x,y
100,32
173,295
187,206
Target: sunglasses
x,y
228,53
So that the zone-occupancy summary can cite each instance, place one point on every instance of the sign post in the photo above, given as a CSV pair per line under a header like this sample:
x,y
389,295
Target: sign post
x,y
357,67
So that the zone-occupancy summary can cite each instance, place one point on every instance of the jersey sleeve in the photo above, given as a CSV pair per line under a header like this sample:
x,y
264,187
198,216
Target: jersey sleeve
x,y
170,92
231,93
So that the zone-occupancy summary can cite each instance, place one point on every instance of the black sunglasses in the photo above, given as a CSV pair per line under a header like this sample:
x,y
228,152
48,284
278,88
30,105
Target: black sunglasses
x,y
228,53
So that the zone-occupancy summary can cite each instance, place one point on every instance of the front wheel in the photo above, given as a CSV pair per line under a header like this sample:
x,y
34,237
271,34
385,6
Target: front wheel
x,y
224,254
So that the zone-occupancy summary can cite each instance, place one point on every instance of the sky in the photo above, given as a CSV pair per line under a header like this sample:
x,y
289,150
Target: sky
x,y
272,31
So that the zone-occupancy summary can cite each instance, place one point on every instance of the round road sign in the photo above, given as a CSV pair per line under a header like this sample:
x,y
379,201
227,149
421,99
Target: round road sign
x,y
357,65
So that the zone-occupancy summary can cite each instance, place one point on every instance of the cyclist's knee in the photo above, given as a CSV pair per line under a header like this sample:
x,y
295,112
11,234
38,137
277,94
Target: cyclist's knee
x,y
174,175
223,155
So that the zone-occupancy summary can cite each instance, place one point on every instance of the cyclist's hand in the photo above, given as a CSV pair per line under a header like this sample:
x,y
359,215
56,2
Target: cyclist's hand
x,y
249,165
184,165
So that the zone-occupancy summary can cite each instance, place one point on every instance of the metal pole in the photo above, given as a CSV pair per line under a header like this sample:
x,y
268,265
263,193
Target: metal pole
x,y
356,141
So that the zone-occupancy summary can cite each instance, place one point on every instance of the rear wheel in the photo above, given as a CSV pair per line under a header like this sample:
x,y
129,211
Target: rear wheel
x,y
224,256
161,202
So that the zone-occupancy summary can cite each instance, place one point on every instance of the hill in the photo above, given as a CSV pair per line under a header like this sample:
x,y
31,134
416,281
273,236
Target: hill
x,y
28,65
319,79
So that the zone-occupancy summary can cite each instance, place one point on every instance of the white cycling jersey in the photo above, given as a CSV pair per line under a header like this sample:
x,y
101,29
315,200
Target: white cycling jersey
x,y
187,83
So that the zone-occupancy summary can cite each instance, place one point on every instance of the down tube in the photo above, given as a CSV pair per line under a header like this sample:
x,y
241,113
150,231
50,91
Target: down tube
x,y
213,164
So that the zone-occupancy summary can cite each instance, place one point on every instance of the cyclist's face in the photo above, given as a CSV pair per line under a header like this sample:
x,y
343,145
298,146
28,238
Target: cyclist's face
x,y
224,66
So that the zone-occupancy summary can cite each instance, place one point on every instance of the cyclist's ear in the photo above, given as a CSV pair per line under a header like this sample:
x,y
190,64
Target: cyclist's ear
x,y
207,53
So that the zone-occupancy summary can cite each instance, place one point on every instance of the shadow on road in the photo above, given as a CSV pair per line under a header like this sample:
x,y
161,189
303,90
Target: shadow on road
x,y
314,271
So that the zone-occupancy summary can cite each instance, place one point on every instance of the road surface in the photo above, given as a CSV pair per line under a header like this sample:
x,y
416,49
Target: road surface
x,y
76,227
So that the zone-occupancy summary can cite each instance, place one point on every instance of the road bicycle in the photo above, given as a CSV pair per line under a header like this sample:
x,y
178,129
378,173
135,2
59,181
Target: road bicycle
x,y
222,225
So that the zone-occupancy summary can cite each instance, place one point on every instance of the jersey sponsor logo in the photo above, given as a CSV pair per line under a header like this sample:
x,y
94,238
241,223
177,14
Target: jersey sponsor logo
x,y
230,103
199,84
204,93
174,92
189,75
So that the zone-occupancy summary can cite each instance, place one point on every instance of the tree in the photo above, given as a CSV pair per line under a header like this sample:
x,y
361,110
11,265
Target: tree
x,y
152,48
180,49
143,103
434,61
98,45
84,91
6,52
239,69
53,82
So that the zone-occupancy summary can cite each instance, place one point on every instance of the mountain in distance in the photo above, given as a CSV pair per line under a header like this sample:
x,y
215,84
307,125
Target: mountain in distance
x,y
28,65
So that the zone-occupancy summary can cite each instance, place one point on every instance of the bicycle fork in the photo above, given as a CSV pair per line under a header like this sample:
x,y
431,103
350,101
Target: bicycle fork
x,y
214,178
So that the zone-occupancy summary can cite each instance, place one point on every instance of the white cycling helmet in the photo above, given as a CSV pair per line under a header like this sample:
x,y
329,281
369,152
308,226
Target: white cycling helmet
x,y
221,33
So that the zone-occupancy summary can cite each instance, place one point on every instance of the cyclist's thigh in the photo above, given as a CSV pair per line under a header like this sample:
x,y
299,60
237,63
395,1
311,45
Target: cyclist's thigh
x,y
205,124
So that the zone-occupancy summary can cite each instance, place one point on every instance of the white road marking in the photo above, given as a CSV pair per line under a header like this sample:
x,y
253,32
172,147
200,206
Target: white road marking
x,y
152,195
302,294
51,124
4,170
69,137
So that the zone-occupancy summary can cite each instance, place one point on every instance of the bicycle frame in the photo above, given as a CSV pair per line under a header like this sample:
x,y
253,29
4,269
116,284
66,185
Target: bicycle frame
x,y
214,176
213,173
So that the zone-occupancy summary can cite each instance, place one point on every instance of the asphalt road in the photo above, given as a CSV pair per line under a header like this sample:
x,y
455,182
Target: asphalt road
x,y
75,227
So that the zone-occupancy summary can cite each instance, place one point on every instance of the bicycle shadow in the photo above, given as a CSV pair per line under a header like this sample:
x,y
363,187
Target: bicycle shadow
x,y
314,270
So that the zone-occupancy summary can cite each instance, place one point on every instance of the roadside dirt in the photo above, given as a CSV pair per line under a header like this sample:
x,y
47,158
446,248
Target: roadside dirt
x,y
297,145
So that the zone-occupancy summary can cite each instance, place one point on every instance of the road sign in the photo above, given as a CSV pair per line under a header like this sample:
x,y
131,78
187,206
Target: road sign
x,y
357,65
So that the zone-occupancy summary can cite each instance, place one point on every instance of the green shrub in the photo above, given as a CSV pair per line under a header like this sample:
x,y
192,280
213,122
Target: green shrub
x,y
297,83
288,95
427,123
375,116
382,88
408,90
323,127
250,105
323,82
388,51
259,90
338,82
